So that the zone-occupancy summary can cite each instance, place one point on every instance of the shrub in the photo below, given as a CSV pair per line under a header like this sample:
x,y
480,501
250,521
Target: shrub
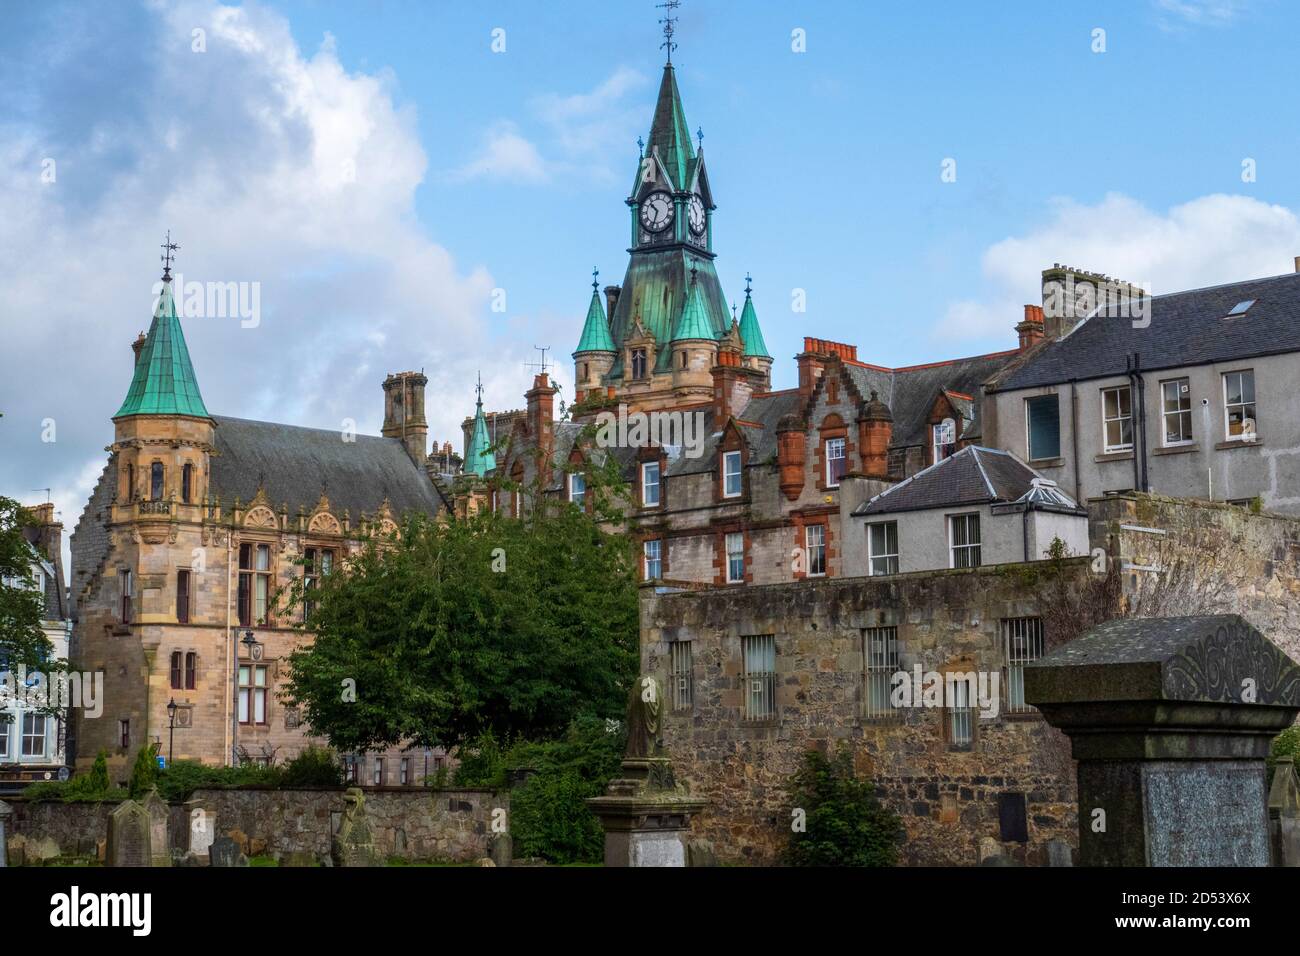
x,y
144,775
482,764
1285,744
314,767
844,823
549,818
92,787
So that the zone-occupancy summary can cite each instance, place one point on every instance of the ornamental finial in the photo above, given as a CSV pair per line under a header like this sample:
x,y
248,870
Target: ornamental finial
x,y
168,248
594,273
668,6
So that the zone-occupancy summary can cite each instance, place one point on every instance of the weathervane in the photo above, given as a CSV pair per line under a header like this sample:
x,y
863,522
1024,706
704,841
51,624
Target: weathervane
x,y
594,273
668,6
748,280
699,135
478,389
168,248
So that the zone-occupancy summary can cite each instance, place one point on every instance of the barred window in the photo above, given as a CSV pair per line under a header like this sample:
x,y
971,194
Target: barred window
x,y
879,665
683,684
1022,641
960,712
760,676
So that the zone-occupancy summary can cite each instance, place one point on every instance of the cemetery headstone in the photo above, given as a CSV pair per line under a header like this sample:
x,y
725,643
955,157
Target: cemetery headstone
x,y
159,830
354,843
225,852
130,830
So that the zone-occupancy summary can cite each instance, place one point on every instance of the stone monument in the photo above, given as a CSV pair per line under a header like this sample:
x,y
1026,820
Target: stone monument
x,y
159,830
645,812
1284,813
354,843
130,830
1170,720
224,851
5,812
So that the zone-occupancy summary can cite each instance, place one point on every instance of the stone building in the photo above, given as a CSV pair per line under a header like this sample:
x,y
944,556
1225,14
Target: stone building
x,y
33,744
1189,394
733,483
195,525
756,677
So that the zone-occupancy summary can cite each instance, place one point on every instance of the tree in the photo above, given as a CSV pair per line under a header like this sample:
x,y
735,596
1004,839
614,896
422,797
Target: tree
x,y
836,819
459,627
22,606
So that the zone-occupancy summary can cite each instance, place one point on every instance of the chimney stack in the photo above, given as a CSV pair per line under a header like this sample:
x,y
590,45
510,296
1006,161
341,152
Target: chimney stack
x,y
875,433
611,300
541,413
404,413
1031,328
138,344
1297,263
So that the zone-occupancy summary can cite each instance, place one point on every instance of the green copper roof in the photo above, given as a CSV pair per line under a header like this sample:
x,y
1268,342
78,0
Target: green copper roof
x,y
479,459
750,332
694,323
655,289
595,333
164,382
670,135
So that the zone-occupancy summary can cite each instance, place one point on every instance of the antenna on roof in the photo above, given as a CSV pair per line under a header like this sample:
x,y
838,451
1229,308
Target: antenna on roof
x,y
47,493
542,366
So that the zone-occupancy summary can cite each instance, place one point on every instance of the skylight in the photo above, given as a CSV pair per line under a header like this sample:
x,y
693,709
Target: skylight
x,y
1240,308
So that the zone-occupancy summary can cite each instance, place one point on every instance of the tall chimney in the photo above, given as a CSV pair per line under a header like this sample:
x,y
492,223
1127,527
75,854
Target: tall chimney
x,y
404,413
875,433
611,300
1031,328
1297,263
541,414
138,344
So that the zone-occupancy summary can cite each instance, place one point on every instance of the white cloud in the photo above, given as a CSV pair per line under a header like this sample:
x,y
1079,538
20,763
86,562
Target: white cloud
x,y
1199,12
1207,241
505,155
270,165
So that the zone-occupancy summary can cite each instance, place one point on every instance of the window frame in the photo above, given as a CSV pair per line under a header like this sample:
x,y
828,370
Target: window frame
x,y
24,735
187,482
727,539
832,479
1030,401
251,694
738,474
657,485
581,499
252,580
968,547
1030,630
1119,417
658,559
960,717
126,604
808,549
157,481
177,670
6,735
950,426
681,675
878,670
1252,405
1165,413
191,670
184,595
758,685
872,557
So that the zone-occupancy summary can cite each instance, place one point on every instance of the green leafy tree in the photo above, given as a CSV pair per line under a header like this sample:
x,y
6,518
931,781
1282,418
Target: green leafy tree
x,y
844,823
144,774
22,606
459,627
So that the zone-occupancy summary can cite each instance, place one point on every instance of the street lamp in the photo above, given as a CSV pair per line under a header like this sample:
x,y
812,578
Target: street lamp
x,y
171,729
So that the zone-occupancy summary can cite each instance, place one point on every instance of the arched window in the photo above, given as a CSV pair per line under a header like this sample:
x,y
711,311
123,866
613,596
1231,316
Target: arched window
x,y
638,363
156,480
187,482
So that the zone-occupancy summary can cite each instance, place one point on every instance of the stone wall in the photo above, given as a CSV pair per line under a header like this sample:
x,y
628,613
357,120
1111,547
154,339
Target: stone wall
x,y
413,824
948,798
1207,557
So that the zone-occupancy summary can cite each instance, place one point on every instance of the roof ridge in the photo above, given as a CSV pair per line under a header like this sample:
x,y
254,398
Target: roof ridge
x,y
979,464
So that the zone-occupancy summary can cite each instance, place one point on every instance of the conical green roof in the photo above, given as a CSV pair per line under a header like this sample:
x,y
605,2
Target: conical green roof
x,y
750,332
670,135
479,459
694,322
595,333
164,381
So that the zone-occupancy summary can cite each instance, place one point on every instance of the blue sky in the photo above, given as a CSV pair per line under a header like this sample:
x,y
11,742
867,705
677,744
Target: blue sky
x,y
379,171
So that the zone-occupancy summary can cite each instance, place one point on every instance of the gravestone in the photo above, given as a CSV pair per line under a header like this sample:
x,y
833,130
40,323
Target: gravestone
x,y
225,852
130,830
1170,720
202,828
354,843
501,849
5,812
1284,813
159,831
1059,853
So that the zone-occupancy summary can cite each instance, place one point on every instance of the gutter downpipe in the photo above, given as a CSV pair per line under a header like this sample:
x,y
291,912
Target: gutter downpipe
x,y
1128,371
1142,414
1074,435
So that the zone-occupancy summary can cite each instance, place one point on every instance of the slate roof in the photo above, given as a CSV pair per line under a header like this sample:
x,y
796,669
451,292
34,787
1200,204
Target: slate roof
x,y
973,476
294,464
1186,328
910,392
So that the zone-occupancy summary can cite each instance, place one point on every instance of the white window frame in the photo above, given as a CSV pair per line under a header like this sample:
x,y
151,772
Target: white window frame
x,y
728,539
1106,419
42,737
872,556
953,547
811,547
658,558
6,734
839,444
579,496
1022,643
960,714
880,662
646,485
1184,386
1252,404
681,663
727,474
948,428
759,694
378,775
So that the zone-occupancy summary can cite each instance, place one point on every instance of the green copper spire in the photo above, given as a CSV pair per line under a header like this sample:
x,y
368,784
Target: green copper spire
x,y
164,382
670,135
479,459
694,322
749,330
595,333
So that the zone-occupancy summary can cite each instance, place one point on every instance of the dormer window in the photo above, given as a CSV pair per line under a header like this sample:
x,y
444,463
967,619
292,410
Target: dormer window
x,y
944,437
731,478
578,489
638,363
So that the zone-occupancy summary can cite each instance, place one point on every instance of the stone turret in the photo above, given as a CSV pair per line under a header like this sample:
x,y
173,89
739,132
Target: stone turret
x,y
404,413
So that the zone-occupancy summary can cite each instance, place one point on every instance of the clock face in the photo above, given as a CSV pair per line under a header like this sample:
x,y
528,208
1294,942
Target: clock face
x,y
657,211
696,215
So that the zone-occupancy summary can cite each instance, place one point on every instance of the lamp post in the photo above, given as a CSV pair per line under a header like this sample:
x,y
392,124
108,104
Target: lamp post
x,y
171,729
249,642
